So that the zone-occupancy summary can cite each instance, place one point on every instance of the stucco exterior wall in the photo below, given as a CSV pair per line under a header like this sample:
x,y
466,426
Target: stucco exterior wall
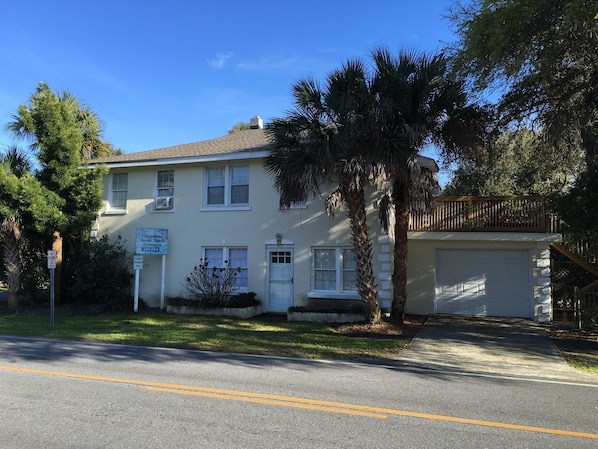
x,y
421,264
192,227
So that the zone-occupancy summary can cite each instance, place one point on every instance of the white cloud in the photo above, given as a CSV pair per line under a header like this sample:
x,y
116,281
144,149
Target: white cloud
x,y
220,59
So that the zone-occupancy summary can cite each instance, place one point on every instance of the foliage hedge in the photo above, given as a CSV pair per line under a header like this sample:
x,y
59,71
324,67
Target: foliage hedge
x,y
238,301
99,274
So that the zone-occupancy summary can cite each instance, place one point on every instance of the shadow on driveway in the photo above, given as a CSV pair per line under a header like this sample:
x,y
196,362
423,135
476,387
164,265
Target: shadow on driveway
x,y
499,346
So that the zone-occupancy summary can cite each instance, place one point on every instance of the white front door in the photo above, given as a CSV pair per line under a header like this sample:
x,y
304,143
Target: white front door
x,y
280,279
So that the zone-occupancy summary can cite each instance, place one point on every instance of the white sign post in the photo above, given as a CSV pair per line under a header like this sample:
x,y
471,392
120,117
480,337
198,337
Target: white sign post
x,y
51,267
153,241
137,265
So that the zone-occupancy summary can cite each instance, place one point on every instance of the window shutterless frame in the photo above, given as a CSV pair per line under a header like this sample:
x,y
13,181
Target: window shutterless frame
x,y
118,192
217,256
333,270
164,192
226,186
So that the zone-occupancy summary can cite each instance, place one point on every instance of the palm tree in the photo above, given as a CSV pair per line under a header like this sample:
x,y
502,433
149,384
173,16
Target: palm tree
x,y
17,163
417,105
90,124
326,141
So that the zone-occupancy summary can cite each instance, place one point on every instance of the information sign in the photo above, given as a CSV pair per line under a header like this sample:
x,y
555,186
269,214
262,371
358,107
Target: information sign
x,y
151,241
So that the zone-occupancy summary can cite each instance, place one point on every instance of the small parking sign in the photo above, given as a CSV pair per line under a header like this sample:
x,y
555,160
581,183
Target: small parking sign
x,y
51,259
138,262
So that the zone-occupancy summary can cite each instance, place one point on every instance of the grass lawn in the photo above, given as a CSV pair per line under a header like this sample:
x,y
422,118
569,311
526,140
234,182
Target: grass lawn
x,y
259,335
583,362
255,336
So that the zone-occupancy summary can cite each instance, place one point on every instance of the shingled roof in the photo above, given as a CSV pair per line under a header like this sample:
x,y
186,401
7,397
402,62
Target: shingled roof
x,y
243,141
237,142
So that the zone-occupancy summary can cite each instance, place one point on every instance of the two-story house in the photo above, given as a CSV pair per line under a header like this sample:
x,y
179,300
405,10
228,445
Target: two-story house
x,y
216,202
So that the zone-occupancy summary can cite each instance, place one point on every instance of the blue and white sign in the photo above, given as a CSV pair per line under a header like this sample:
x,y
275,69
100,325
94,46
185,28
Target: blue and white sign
x,y
151,241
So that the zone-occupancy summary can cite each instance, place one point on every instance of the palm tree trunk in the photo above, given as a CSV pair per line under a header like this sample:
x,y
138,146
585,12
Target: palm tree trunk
x,y
400,200
12,260
362,244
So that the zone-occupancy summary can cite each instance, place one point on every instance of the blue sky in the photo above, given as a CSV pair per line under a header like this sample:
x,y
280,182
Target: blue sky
x,y
161,73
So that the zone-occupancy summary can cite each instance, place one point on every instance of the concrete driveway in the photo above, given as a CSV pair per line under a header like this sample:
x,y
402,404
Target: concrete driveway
x,y
490,346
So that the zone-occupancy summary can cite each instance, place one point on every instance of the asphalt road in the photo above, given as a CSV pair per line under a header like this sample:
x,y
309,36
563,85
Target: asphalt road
x,y
56,394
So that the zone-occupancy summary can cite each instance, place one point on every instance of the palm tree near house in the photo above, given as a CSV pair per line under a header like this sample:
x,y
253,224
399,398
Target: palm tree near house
x,y
326,141
12,162
417,104
88,121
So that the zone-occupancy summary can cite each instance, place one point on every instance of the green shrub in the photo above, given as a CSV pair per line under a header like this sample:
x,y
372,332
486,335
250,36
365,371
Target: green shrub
x,y
237,301
100,276
179,301
241,300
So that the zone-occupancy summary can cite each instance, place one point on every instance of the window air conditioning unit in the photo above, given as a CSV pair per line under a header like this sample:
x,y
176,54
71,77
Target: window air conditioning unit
x,y
164,202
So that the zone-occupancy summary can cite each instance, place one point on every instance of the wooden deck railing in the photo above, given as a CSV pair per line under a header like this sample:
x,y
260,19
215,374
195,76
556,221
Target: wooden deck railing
x,y
481,214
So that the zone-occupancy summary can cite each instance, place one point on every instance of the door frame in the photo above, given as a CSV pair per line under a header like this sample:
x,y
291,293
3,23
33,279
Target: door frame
x,y
284,246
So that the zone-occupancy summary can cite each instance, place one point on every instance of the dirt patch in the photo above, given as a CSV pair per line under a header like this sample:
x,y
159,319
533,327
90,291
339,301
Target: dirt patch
x,y
575,342
387,328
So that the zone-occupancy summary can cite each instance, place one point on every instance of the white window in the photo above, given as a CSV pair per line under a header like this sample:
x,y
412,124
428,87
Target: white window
x,y
216,183
297,204
164,199
297,201
334,269
233,257
118,192
227,186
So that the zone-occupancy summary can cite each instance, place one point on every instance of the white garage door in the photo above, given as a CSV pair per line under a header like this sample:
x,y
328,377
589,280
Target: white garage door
x,y
484,282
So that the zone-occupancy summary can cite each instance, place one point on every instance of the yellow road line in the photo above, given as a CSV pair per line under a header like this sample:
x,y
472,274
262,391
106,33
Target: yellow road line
x,y
255,400
287,401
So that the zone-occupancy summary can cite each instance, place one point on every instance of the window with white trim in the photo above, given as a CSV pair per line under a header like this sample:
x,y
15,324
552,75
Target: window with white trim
x,y
164,199
233,257
297,201
118,192
334,269
227,186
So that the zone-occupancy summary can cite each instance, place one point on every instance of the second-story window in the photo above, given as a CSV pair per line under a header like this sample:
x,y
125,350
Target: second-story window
x,y
215,185
164,190
239,185
118,201
227,186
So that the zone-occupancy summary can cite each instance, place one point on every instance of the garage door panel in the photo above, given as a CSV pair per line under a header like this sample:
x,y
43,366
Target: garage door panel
x,y
483,282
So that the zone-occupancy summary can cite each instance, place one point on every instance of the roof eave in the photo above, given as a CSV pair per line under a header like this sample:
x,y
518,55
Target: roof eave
x,y
185,160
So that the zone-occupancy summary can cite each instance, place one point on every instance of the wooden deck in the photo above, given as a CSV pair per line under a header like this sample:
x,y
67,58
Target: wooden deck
x,y
482,214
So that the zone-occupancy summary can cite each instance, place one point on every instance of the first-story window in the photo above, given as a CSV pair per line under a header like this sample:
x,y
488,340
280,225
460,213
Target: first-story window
x,y
334,269
234,258
118,194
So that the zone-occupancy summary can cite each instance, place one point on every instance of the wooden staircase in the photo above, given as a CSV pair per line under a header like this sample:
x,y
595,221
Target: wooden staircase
x,y
585,300
576,257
